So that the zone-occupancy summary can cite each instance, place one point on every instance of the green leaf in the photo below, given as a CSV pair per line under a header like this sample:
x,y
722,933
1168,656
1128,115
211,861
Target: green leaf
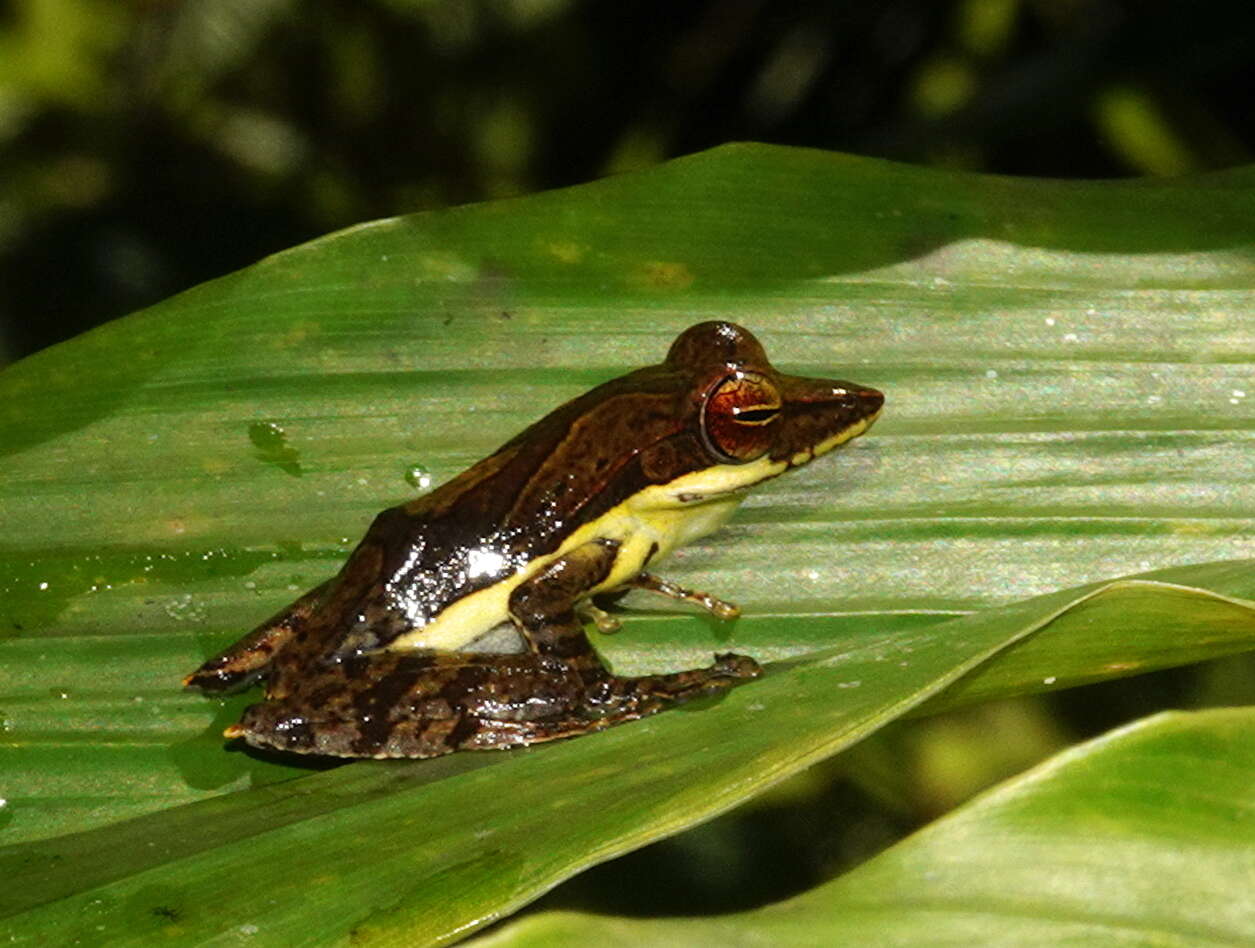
x,y
1142,837
423,850
1066,366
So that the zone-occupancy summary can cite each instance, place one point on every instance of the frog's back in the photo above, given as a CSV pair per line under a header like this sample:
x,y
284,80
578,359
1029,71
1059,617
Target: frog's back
x,y
495,519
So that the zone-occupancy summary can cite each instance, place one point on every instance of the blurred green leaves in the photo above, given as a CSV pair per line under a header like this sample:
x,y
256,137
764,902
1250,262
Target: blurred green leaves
x,y
1067,369
147,147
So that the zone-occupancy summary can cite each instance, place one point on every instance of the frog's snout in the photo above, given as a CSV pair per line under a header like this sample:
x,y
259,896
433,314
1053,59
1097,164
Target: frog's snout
x,y
870,402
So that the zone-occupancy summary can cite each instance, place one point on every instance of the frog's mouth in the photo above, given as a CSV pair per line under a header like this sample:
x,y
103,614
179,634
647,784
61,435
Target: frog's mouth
x,y
840,438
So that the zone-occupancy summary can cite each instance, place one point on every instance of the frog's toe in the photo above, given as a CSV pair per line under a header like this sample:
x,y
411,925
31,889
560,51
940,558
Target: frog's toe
x,y
271,725
218,675
736,666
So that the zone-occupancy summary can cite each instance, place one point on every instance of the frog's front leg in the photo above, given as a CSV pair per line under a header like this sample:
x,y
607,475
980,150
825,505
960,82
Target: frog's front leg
x,y
544,607
719,608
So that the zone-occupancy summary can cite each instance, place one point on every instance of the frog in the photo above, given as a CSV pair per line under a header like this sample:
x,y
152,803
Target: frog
x,y
387,659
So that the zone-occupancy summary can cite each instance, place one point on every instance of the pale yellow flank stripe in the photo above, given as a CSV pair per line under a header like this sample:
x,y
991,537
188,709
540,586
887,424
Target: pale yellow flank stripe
x,y
657,515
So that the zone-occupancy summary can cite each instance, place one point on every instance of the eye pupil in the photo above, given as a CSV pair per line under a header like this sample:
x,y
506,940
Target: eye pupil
x,y
755,416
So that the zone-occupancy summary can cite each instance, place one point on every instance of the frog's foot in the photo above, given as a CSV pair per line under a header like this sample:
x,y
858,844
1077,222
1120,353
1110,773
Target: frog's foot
x,y
718,608
244,662
227,672
629,698
605,622
249,659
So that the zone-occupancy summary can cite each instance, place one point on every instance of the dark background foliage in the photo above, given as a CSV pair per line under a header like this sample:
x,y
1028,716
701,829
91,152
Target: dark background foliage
x,y
146,147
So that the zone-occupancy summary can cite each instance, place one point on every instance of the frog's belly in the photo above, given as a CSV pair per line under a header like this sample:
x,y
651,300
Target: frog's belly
x,y
646,532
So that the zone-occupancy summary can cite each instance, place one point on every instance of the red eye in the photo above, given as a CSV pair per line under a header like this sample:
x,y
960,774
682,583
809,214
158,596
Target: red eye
x,y
737,417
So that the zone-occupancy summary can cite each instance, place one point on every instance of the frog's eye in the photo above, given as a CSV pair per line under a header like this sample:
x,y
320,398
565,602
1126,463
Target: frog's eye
x,y
737,417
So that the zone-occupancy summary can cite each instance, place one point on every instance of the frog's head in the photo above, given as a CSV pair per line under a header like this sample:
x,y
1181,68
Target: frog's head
x,y
712,419
748,413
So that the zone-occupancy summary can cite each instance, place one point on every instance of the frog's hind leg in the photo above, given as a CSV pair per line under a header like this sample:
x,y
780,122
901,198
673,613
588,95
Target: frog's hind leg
x,y
250,657
396,704
618,700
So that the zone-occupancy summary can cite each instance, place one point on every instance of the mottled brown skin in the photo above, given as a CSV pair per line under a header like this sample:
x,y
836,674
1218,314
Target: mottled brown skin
x,y
334,688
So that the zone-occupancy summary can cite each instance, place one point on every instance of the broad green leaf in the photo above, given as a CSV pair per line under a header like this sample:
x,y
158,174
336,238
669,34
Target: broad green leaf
x,y
1142,837
1067,367
422,851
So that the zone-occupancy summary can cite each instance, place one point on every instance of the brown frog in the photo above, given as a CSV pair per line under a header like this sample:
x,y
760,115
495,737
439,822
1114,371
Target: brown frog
x,y
386,658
